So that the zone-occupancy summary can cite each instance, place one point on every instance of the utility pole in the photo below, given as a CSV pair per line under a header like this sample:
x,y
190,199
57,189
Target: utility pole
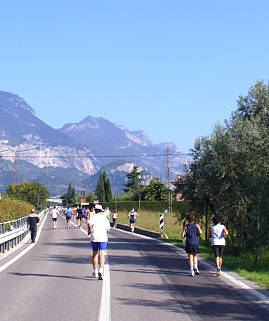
x,y
168,179
15,177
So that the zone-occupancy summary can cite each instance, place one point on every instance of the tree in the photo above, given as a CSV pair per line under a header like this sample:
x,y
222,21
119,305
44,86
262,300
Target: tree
x,y
134,179
100,188
33,193
255,103
231,167
69,198
90,198
103,189
108,191
155,191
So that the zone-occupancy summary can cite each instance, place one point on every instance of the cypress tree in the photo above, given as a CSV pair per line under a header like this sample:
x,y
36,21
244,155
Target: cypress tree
x,y
100,189
108,190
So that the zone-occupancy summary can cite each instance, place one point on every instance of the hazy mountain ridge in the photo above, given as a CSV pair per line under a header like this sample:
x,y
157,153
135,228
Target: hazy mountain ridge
x,y
78,149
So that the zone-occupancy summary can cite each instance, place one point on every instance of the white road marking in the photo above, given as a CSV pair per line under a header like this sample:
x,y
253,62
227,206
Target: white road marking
x,y
261,297
105,311
5,266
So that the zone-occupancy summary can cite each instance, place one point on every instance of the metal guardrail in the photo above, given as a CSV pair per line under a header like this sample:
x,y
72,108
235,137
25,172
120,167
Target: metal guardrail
x,y
13,232
12,225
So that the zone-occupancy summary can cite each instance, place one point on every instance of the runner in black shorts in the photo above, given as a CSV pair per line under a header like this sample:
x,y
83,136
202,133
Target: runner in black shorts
x,y
218,232
218,250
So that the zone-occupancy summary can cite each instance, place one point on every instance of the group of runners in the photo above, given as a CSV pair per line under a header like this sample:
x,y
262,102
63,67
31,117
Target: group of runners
x,y
191,232
80,214
98,218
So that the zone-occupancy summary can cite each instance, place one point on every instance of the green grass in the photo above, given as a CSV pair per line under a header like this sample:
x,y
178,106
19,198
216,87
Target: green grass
x,y
242,263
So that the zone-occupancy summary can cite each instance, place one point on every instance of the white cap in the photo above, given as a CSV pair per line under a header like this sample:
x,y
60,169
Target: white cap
x,y
98,207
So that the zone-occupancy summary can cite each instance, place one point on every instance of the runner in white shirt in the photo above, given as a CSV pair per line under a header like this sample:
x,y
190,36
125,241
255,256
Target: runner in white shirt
x,y
218,232
98,226
54,215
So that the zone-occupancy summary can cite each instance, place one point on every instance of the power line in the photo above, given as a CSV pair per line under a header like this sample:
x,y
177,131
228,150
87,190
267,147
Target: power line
x,y
17,151
92,156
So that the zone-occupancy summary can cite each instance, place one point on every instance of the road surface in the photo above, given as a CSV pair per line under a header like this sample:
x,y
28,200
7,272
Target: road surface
x,y
144,280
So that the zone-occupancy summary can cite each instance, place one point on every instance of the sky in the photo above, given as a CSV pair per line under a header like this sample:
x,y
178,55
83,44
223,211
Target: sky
x,y
172,68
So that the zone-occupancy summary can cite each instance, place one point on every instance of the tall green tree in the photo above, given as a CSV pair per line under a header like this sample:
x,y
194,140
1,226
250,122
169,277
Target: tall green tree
x,y
100,188
108,190
33,193
103,189
231,168
134,179
69,198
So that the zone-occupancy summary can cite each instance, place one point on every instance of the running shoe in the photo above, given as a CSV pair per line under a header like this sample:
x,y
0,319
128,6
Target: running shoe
x,y
100,276
218,272
95,274
192,273
196,271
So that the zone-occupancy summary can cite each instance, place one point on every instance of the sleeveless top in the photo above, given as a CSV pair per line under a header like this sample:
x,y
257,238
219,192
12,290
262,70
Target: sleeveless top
x,y
192,238
217,234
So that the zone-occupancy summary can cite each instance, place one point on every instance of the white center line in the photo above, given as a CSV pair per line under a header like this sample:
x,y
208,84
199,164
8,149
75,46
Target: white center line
x,y
105,311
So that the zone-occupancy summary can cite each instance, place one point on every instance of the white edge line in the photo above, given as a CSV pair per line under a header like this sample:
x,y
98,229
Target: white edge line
x,y
17,257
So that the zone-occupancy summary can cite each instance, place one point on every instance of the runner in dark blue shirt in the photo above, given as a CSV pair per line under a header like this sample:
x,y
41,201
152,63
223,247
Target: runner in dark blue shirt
x,y
192,231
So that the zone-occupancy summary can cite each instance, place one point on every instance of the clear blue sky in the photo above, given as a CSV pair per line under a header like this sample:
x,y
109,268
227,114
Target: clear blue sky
x,y
171,68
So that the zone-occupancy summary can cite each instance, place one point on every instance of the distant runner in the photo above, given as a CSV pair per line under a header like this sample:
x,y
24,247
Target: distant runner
x,y
79,216
98,226
132,216
74,213
218,232
54,215
114,218
68,216
84,214
107,213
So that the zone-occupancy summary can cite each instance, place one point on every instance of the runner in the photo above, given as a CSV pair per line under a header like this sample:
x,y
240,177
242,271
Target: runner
x,y
88,212
92,211
84,215
54,215
98,226
114,218
218,232
32,221
79,216
132,216
192,232
74,214
107,213
68,216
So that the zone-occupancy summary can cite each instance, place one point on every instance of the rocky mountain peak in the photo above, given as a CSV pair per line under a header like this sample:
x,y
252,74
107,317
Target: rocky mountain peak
x,y
12,103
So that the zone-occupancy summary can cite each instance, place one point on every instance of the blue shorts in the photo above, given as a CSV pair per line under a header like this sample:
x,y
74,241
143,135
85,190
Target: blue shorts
x,y
98,246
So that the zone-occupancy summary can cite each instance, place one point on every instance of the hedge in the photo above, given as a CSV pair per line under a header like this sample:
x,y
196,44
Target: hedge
x,y
156,206
13,209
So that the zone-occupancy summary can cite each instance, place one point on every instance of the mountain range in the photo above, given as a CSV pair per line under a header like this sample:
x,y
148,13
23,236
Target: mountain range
x,y
32,150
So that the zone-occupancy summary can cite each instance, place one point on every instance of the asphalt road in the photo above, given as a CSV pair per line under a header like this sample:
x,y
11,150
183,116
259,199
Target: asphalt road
x,y
148,281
